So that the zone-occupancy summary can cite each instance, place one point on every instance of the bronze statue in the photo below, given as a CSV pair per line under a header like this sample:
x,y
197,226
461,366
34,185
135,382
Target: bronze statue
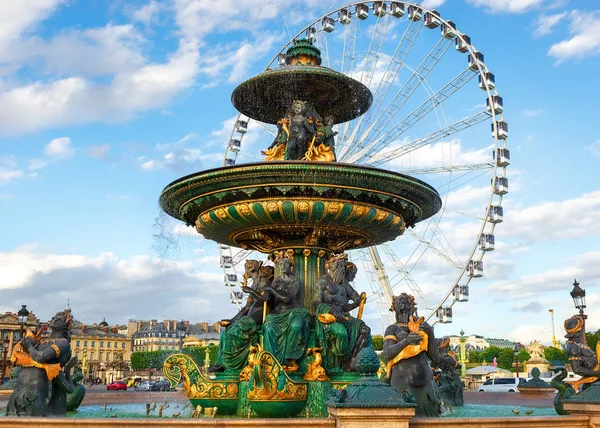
x,y
43,385
450,385
407,346
582,358
338,333
285,329
241,332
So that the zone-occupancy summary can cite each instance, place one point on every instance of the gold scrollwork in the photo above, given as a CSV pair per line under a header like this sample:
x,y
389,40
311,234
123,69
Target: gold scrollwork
x,y
271,383
303,207
272,207
333,208
245,209
221,214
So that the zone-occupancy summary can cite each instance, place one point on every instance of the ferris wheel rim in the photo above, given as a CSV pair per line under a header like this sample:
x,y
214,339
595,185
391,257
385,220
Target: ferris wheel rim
x,y
494,117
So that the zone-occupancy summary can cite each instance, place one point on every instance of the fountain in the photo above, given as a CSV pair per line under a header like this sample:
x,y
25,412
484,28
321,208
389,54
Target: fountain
x,y
303,210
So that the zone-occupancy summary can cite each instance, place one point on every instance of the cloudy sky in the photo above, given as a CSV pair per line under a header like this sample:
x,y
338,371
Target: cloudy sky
x,y
103,103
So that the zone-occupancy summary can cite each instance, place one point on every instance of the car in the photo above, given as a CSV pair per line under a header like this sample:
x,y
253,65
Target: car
x,y
161,385
501,384
145,386
117,386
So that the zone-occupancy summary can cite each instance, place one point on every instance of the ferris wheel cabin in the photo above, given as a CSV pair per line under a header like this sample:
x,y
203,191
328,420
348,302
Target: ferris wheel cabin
x,y
500,130
449,30
487,242
229,162
475,269
489,79
379,9
311,34
444,315
500,185
241,126
328,24
344,16
223,247
476,61
226,261
230,279
237,297
432,19
502,157
281,59
463,46
397,9
362,11
496,102
235,145
415,13
496,214
461,293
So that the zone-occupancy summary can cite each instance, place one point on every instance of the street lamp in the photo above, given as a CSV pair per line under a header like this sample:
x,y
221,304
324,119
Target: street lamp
x,y
23,315
578,296
516,352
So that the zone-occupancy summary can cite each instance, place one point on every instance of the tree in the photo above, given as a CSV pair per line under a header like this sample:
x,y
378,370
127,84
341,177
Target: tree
x,y
523,355
592,339
378,342
505,358
491,352
554,354
144,360
475,357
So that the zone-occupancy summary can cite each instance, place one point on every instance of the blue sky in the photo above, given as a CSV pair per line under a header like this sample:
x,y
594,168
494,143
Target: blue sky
x,y
103,103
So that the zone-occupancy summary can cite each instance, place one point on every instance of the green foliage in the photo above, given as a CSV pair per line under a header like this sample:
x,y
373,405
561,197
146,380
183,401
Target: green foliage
x,y
505,358
143,360
523,355
592,339
490,352
475,357
378,342
555,354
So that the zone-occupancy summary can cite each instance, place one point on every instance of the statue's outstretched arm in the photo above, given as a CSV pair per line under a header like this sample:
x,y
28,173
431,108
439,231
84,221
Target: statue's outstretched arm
x,y
50,353
579,369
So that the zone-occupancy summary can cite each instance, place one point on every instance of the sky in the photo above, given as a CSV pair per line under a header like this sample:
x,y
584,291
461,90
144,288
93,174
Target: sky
x,y
105,102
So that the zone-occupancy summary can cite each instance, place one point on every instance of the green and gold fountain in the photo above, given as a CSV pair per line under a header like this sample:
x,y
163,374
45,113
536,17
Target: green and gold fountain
x,y
302,209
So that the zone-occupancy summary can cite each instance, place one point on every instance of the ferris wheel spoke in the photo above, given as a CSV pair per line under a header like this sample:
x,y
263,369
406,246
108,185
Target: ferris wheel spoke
x,y
454,128
449,168
456,263
374,52
407,278
348,57
391,73
377,126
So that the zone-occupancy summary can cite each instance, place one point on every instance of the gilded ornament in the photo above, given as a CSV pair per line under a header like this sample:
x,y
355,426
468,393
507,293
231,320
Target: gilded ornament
x,y
303,206
272,207
269,382
206,218
381,215
360,211
306,252
245,209
314,371
221,214
333,208
396,220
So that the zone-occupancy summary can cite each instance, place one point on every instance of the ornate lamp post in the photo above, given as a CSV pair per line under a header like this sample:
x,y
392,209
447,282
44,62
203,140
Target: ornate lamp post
x,y
516,352
5,345
463,353
23,314
578,296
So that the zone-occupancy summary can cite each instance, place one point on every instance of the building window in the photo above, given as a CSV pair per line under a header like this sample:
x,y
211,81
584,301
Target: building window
x,y
85,343
102,344
77,343
123,345
116,344
92,356
114,356
93,343
160,348
108,344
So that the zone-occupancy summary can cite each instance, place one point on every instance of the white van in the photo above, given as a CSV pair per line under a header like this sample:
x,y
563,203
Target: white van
x,y
501,384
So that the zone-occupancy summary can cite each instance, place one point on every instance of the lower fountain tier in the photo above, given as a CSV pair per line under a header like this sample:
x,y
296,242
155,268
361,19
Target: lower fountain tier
x,y
269,206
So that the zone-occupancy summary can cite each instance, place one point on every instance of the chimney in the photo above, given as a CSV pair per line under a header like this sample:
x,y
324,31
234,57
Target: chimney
x,y
105,329
84,328
167,324
187,325
204,326
115,329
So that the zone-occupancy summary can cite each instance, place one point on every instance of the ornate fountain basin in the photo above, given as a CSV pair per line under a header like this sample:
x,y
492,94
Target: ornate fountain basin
x,y
268,206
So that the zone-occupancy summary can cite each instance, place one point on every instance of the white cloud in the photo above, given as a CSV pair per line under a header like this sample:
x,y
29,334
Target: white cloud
x,y
594,148
531,112
184,288
431,4
100,151
60,148
37,164
147,13
8,175
18,17
546,23
443,153
507,6
585,41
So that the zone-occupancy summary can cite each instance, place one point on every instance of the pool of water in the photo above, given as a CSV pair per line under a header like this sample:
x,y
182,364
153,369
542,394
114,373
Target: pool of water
x,y
491,411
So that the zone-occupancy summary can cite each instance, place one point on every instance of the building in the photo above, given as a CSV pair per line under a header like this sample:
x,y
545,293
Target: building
x,y
203,334
157,336
475,342
10,333
103,352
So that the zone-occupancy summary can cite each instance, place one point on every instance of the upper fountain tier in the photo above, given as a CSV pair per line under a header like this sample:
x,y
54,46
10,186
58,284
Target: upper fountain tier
x,y
268,96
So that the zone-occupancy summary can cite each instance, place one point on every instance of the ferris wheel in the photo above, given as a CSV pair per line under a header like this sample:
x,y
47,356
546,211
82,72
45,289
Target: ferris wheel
x,y
434,103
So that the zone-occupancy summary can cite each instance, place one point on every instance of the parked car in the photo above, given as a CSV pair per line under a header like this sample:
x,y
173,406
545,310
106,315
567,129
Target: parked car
x,y
145,386
161,385
501,384
117,386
